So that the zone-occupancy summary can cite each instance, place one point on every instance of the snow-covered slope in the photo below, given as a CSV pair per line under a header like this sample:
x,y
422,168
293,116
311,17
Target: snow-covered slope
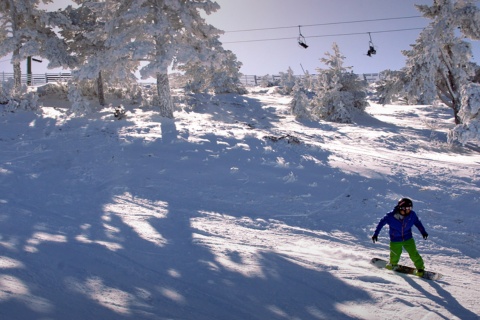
x,y
235,210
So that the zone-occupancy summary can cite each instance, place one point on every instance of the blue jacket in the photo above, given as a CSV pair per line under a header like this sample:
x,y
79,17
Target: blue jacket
x,y
400,229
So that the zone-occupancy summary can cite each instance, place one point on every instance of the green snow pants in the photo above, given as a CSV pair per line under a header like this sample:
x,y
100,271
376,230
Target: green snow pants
x,y
409,245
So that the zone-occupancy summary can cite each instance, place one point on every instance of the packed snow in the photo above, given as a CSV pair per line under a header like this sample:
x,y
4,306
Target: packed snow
x,y
232,210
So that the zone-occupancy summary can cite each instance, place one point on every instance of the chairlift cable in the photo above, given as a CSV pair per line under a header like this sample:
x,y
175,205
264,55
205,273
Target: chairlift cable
x,y
324,24
325,35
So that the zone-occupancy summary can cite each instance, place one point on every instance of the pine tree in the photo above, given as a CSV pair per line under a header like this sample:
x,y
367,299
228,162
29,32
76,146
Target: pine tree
x,y
339,92
223,77
300,103
469,114
391,87
287,82
173,33
26,31
95,34
226,75
438,63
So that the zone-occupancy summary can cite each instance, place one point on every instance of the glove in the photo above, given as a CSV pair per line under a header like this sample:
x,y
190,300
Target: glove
x,y
425,236
374,239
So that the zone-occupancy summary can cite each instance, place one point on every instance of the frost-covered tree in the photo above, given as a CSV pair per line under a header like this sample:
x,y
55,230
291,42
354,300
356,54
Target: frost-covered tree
x,y
287,82
162,34
94,31
339,92
438,65
226,75
222,77
300,105
267,81
391,87
14,98
26,31
469,114
169,33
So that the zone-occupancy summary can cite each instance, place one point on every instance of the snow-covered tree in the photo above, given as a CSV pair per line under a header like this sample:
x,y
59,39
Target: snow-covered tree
x,y
469,128
287,82
438,65
226,75
169,33
26,31
14,97
391,87
111,38
300,105
339,92
268,81
94,32
222,77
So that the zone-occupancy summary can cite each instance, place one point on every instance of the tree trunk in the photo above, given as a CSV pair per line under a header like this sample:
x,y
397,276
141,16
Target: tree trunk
x,y
17,71
101,95
164,97
456,105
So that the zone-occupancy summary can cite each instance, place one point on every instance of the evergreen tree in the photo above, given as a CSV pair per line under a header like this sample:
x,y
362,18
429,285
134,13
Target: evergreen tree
x,y
111,38
287,82
26,31
95,32
469,114
226,75
438,63
339,92
222,77
391,87
300,104
169,33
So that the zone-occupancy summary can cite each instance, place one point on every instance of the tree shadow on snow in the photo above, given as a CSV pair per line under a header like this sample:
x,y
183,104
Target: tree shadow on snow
x,y
103,229
114,227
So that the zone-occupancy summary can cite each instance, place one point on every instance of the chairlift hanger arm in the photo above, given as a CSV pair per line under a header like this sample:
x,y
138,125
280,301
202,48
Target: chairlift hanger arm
x,y
371,47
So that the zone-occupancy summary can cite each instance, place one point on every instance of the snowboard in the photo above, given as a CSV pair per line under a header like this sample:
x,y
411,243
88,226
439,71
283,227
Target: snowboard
x,y
429,275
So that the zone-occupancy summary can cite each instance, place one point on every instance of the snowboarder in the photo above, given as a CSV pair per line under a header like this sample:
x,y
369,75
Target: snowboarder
x,y
400,221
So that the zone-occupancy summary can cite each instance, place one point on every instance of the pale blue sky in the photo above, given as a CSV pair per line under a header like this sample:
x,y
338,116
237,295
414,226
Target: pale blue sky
x,y
277,55
284,16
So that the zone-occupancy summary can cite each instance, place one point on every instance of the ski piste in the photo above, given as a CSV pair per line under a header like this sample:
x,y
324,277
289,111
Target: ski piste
x,y
429,275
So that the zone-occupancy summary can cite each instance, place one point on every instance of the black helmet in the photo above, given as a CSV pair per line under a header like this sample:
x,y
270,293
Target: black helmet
x,y
404,203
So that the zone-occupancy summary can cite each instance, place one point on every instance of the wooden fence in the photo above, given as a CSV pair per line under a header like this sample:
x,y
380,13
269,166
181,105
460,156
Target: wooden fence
x,y
247,80
37,79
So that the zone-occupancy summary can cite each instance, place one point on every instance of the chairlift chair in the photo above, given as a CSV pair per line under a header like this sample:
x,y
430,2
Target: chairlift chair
x,y
301,39
371,47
